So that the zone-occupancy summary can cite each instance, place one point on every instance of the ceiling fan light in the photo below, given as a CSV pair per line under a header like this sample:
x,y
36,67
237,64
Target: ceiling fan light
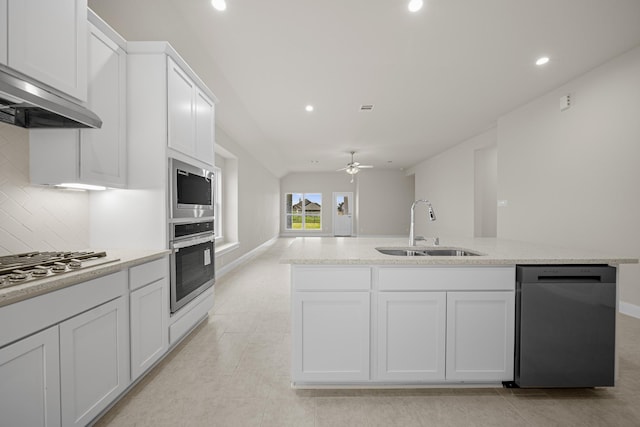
x,y
352,170
415,5
220,5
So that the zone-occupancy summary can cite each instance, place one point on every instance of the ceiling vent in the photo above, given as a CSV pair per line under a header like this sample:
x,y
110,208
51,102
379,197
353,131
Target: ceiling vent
x,y
366,107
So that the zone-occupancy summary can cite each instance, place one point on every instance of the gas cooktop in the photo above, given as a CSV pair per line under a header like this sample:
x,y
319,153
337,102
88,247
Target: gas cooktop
x,y
30,266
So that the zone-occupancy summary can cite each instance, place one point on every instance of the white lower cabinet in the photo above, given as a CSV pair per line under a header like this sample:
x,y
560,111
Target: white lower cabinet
x,y
430,325
94,361
30,381
411,336
331,337
480,336
149,326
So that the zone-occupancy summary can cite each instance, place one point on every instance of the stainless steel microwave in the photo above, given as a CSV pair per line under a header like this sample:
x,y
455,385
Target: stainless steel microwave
x,y
192,191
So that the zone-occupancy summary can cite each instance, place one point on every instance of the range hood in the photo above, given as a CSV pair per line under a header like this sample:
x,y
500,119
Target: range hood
x,y
24,104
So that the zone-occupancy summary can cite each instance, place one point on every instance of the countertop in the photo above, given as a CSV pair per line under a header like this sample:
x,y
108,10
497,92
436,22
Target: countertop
x,y
362,251
126,258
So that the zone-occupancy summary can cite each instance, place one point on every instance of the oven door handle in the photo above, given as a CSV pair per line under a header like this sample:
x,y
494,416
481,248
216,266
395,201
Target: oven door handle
x,y
191,242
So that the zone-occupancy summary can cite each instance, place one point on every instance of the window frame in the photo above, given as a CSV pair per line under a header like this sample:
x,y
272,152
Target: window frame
x,y
303,214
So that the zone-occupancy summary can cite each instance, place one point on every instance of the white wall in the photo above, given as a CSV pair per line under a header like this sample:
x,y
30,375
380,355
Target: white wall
x,y
572,178
486,192
448,182
384,202
382,199
36,218
258,201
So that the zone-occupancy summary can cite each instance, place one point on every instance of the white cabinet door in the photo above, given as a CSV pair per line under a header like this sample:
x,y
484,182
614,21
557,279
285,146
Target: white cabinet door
x,y
149,326
330,336
205,123
89,156
3,33
103,151
94,361
181,110
480,336
47,40
30,381
411,336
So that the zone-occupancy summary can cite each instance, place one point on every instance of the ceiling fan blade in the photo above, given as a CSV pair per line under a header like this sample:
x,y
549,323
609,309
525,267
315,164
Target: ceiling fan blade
x,y
342,169
365,166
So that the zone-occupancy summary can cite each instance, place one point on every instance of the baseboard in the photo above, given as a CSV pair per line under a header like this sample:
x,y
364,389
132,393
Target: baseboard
x,y
244,258
629,309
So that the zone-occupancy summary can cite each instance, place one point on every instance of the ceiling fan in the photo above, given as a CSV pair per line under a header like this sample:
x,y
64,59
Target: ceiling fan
x,y
354,167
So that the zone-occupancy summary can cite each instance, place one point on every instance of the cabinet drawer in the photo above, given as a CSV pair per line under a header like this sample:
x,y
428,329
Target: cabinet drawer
x,y
331,278
56,306
150,272
447,278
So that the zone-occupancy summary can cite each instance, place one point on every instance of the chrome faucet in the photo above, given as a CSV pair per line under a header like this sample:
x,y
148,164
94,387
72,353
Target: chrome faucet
x,y
432,217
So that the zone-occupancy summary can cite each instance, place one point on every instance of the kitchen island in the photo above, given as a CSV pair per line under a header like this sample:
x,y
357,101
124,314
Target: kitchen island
x,y
362,318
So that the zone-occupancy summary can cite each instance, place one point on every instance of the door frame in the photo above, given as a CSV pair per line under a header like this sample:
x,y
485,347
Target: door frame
x,y
334,215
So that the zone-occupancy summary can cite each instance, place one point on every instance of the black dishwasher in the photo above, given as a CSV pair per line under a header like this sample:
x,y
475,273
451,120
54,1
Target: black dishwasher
x,y
565,325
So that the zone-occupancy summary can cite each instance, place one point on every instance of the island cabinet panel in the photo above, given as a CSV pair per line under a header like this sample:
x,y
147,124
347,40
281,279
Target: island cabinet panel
x,y
411,336
330,337
94,361
480,336
449,278
331,278
30,381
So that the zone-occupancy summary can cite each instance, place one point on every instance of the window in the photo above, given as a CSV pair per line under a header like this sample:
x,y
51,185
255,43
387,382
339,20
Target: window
x,y
303,211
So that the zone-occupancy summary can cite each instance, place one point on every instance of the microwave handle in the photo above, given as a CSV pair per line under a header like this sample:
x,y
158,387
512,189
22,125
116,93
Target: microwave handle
x,y
190,242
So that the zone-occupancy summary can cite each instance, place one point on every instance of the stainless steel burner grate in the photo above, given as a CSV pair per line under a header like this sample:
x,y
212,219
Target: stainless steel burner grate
x,y
29,266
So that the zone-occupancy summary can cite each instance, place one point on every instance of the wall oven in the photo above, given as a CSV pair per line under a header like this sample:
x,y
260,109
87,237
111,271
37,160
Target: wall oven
x,y
192,261
191,191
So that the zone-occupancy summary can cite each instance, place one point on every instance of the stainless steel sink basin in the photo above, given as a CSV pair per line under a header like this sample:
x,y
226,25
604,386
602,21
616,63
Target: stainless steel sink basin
x,y
427,252
400,252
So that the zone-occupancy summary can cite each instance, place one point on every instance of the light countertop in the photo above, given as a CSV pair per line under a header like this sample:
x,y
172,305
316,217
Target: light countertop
x,y
362,251
126,258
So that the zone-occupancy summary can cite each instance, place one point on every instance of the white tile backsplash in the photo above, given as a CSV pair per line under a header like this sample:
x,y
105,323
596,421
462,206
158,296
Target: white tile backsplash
x,y
36,218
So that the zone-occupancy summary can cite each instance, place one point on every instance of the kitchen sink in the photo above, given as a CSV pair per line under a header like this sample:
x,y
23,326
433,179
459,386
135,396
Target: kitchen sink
x,y
427,252
401,252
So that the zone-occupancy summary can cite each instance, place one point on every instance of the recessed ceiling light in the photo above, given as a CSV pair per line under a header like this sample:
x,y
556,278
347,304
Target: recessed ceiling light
x,y
542,60
219,4
308,108
415,5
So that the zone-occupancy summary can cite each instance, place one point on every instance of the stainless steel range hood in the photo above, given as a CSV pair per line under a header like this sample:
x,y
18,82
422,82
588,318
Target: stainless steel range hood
x,y
24,104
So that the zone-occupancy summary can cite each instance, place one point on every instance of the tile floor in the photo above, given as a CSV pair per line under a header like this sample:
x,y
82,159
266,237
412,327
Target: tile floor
x,y
234,371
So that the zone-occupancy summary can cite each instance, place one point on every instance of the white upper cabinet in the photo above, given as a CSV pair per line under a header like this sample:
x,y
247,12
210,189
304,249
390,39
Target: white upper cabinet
x,y
205,127
181,109
3,34
46,40
103,151
90,156
190,116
